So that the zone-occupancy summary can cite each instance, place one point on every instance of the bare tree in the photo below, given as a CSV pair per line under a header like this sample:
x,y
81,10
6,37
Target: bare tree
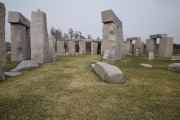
x,y
71,33
80,35
52,30
89,36
76,35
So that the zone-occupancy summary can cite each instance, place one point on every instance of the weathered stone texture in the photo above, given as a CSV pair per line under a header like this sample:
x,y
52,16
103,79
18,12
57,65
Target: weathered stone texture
x,y
20,36
108,16
140,46
52,54
2,41
174,67
60,48
39,37
133,38
82,47
18,42
151,56
18,18
71,47
94,48
111,42
109,73
166,47
128,47
150,46
121,44
157,36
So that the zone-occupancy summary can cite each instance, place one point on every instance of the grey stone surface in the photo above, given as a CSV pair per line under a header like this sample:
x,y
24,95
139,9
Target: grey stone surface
x,y
121,45
93,66
111,42
52,53
39,37
94,48
16,17
25,65
102,47
151,56
128,47
109,73
2,41
60,48
106,56
150,46
133,38
109,16
137,52
157,36
166,47
146,65
174,67
71,47
12,74
82,47
18,43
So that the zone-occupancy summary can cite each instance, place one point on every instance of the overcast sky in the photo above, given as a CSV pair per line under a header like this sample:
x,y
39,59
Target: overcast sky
x,y
140,18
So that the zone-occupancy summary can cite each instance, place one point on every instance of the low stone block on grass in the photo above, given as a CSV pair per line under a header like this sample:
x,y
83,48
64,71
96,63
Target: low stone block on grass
x,y
109,73
12,74
146,65
174,67
25,65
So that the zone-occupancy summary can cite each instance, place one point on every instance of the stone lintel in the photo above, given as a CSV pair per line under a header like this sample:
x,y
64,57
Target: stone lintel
x,y
108,16
158,36
18,18
133,38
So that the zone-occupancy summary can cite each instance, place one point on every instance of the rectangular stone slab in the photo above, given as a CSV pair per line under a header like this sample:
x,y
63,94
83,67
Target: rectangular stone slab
x,y
166,47
109,73
16,17
2,41
133,38
108,16
158,36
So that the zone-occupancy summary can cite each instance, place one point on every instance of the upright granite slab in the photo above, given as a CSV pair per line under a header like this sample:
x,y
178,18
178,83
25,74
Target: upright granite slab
x,y
60,48
109,73
128,47
112,35
94,48
150,46
39,37
139,44
82,47
20,36
166,47
52,54
71,47
2,41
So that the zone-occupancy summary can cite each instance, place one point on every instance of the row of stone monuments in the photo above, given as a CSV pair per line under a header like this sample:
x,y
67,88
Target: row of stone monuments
x,y
30,40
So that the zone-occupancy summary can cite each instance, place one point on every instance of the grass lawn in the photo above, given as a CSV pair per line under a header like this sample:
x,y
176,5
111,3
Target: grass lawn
x,y
69,89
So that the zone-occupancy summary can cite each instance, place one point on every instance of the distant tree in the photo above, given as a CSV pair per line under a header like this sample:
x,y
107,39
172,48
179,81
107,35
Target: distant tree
x,y
80,35
89,36
52,31
71,33
76,35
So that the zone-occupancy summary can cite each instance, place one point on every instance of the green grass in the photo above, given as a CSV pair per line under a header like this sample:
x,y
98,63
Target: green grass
x,y
69,89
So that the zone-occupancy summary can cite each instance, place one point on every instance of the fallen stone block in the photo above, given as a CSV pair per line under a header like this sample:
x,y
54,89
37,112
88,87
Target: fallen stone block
x,y
174,67
25,65
175,59
12,74
146,65
109,73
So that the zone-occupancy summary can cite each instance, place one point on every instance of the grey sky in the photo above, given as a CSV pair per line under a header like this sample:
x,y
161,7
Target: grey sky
x,y
140,17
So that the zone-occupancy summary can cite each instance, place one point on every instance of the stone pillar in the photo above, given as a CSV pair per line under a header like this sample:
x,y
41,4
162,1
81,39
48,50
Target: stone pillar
x,y
71,47
166,47
140,46
112,35
18,42
2,41
60,48
82,47
110,39
52,53
150,46
39,37
150,56
102,47
94,48
20,36
128,47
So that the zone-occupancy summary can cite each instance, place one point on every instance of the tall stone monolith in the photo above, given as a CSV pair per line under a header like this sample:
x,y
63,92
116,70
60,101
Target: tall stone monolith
x,y
71,47
39,37
20,36
60,48
52,54
166,47
112,35
94,48
2,41
82,47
